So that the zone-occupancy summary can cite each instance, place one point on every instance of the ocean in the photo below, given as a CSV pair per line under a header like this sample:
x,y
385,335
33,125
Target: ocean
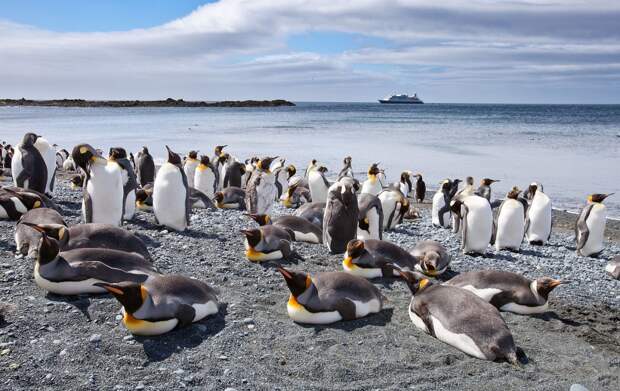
x,y
573,150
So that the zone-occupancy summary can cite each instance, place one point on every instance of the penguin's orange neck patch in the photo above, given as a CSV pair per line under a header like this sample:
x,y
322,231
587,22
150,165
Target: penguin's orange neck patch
x,y
201,167
348,262
292,301
130,321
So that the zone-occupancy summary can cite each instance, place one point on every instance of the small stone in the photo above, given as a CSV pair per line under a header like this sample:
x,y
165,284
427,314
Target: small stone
x,y
230,389
48,376
222,357
62,352
179,372
577,387
95,338
227,371
128,338
13,366
140,386
5,352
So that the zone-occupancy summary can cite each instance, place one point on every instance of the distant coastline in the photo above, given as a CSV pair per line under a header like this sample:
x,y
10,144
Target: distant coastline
x,y
143,103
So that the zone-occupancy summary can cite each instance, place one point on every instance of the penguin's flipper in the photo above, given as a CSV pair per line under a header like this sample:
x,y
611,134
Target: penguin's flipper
x,y
422,311
10,209
103,272
288,253
279,188
21,178
581,227
88,206
389,222
495,219
444,209
185,314
346,309
464,222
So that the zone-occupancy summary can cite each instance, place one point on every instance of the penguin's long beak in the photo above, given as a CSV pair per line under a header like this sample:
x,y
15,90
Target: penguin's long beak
x,y
35,227
555,283
285,273
110,288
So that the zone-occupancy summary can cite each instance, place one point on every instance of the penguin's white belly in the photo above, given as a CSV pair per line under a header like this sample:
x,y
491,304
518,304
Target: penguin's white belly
x,y
17,166
539,215
3,214
299,314
49,157
130,205
419,268
204,181
204,310
19,206
258,256
404,188
106,193
266,193
308,237
510,226
485,294
371,187
524,309
364,308
373,226
438,204
479,226
67,287
145,327
417,321
190,172
318,190
363,272
462,342
169,196
596,226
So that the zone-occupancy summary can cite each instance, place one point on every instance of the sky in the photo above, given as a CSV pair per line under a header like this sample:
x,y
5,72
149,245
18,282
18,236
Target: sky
x,y
479,51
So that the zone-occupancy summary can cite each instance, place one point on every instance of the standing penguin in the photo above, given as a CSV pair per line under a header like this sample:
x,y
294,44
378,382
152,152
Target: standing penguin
x,y
468,189
460,318
477,224
283,174
206,177
217,152
372,185
130,183
347,170
441,206
318,184
420,188
171,202
484,190
395,205
221,164
28,166
189,167
370,220
340,218
145,167
311,167
261,190
234,174
454,188
538,222
510,222
590,226
102,189
404,184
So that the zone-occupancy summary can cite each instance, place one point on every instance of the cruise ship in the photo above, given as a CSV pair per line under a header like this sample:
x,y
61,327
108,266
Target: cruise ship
x,y
403,98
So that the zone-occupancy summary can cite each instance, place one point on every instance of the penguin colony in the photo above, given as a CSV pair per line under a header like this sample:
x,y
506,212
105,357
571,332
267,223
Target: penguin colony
x,y
348,216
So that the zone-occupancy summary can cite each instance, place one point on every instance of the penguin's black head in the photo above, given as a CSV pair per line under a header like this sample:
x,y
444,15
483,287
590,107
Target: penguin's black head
x,y
405,176
260,219
347,161
415,281
488,181
145,150
545,285
513,193
173,157
130,295
291,170
597,198
469,181
445,185
204,160
77,181
455,182
48,247
313,162
404,206
29,139
322,169
347,194
83,155
355,248
374,169
118,153
265,163
364,224
193,155
219,149
218,197
253,236
141,195
297,282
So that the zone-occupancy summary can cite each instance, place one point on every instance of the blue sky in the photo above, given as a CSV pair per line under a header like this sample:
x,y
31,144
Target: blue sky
x,y
546,51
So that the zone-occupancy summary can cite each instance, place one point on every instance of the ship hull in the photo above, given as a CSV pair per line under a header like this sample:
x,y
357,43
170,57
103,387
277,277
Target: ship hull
x,y
391,102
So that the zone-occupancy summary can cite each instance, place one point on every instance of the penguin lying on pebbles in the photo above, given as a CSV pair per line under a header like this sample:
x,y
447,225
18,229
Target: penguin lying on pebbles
x,y
313,212
460,318
433,258
330,297
304,231
269,243
92,235
14,204
590,226
613,267
163,303
508,291
295,196
372,258
198,199
230,198
27,238
74,272
144,198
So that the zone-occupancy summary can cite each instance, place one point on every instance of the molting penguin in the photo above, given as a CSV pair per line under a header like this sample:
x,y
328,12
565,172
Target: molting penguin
x,y
370,217
347,170
189,167
27,238
395,206
433,258
441,206
510,222
613,267
477,224
312,211
28,167
217,152
261,190
372,185
340,218
145,167
268,243
295,196
508,291
372,258
590,226
303,230
163,303
130,183
230,198
484,190
460,318
76,271
171,196
103,187
206,177
318,184
538,221
330,297
420,188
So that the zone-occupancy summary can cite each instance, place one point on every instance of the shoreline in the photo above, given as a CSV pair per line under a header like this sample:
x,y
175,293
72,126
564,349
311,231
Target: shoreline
x,y
143,103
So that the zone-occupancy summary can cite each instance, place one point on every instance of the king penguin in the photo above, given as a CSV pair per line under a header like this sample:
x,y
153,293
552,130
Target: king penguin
x,y
590,226
613,267
206,177
538,221
103,187
395,206
372,185
347,170
340,217
460,318
329,297
27,238
303,230
510,222
477,224
261,190
440,212
420,188
370,220
318,184
145,168
130,182
484,190
28,166
189,167
163,303
171,196
370,258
